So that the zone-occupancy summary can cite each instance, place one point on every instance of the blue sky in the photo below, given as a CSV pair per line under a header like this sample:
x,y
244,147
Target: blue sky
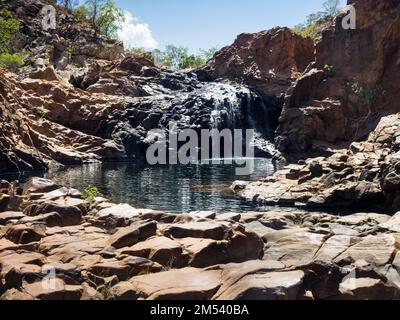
x,y
207,23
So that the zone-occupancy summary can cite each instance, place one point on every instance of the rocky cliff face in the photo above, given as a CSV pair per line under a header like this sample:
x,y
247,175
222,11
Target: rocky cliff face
x,y
343,115
268,61
354,81
81,98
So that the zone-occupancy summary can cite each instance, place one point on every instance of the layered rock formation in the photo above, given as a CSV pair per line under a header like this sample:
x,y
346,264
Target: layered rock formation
x,y
52,248
344,112
365,175
268,61
352,84
81,98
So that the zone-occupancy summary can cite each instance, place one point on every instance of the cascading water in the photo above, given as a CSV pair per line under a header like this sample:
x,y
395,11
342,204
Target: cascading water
x,y
234,108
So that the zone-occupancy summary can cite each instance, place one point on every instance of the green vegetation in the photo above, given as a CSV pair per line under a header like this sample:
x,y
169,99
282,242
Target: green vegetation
x,y
41,113
102,15
368,94
329,71
316,22
179,58
89,195
8,27
68,4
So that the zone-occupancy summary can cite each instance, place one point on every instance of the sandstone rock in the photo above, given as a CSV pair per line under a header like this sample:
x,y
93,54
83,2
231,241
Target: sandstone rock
x,y
378,250
39,185
183,284
53,289
205,252
131,235
23,234
256,59
367,289
10,259
10,215
122,269
268,286
22,273
159,249
206,230
335,246
16,295
70,215
258,228
233,272
295,250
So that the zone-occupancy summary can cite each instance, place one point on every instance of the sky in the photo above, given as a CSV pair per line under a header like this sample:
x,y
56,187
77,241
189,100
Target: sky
x,y
204,24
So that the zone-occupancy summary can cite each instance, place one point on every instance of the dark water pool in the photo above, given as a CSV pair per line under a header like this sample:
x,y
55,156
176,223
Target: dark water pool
x,y
170,188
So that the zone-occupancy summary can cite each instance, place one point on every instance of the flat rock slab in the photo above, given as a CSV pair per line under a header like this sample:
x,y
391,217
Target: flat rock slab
x,y
124,211
10,259
297,249
377,250
367,289
182,284
205,230
159,249
334,247
129,236
234,272
266,286
10,215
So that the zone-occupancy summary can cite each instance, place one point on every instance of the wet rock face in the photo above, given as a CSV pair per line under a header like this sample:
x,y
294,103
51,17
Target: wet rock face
x,y
328,109
97,125
274,255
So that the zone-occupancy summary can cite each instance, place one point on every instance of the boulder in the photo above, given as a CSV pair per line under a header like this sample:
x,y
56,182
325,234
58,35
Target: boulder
x,y
204,230
53,289
182,284
10,215
297,249
159,249
129,236
23,234
266,286
10,259
367,289
125,269
377,250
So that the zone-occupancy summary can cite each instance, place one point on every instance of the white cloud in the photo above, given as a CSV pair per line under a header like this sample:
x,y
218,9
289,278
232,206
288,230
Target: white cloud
x,y
136,35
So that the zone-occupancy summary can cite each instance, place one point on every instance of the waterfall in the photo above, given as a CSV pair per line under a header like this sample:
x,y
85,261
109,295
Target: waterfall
x,y
234,108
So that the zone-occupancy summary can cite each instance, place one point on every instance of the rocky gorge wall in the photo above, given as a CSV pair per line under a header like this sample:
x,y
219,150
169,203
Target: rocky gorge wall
x,y
341,120
83,99
344,103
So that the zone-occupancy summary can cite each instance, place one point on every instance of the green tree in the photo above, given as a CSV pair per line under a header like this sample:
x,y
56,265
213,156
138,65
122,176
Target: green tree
x,y
208,54
316,22
103,15
172,57
331,7
178,58
8,27
68,4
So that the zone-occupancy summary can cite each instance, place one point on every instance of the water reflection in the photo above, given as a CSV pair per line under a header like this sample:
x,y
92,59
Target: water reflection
x,y
170,188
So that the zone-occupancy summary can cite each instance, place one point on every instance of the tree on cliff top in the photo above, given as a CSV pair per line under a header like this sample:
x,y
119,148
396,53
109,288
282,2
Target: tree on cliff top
x,y
103,16
318,21
179,58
